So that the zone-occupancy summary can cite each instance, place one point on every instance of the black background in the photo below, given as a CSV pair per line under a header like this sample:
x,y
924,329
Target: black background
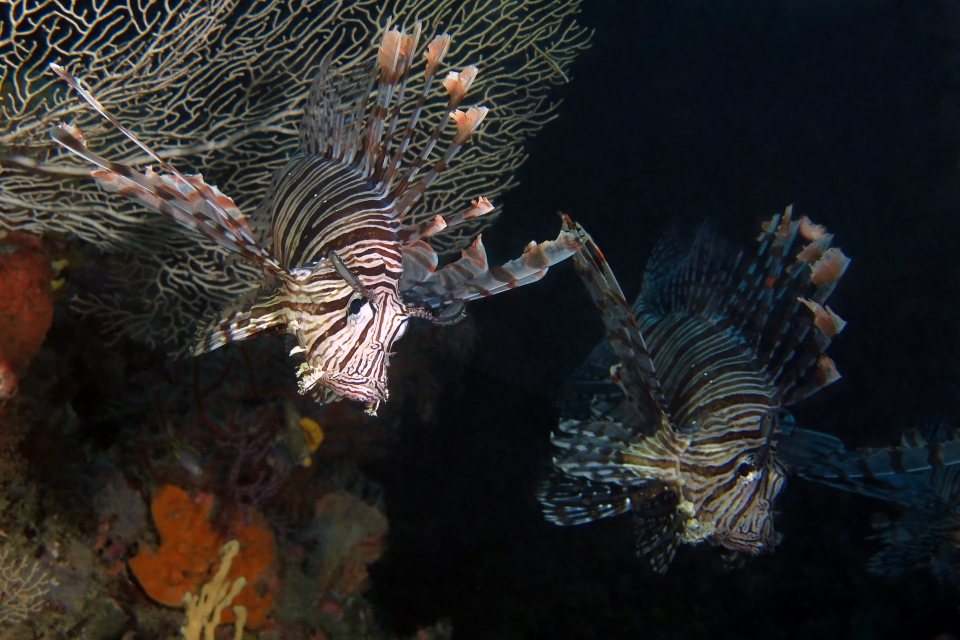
x,y
684,111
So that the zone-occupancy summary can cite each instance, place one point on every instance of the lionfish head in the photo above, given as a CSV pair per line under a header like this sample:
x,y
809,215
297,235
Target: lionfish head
x,y
352,360
745,522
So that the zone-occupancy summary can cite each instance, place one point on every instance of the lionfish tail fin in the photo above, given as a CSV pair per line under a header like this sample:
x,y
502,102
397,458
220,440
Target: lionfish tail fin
x,y
635,371
774,302
184,199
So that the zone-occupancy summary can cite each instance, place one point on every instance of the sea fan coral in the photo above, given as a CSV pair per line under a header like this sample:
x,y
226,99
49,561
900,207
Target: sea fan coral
x,y
26,306
23,585
190,552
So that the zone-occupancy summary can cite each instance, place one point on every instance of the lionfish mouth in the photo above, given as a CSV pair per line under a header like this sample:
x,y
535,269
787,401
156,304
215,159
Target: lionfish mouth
x,y
754,542
349,387
370,396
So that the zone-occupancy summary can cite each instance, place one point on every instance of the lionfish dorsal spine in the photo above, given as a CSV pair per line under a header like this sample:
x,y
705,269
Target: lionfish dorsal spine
x,y
457,84
406,51
394,58
434,55
636,373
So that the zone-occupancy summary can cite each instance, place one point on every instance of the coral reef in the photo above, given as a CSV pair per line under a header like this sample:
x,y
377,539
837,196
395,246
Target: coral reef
x,y
22,585
204,611
351,535
232,62
189,549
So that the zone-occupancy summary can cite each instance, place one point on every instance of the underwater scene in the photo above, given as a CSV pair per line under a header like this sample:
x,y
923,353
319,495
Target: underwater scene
x,y
251,385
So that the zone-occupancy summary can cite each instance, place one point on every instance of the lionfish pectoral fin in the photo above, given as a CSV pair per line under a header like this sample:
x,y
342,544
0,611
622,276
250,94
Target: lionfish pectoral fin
x,y
635,373
888,473
471,277
184,199
568,500
800,449
419,263
240,321
412,233
657,524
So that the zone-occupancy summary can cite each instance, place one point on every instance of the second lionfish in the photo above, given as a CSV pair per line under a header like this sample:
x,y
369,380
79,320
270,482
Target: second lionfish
x,y
674,416
342,273
921,474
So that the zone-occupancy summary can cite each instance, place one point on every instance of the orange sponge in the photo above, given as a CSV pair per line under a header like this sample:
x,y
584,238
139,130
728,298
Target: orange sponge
x,y
189,555
26,305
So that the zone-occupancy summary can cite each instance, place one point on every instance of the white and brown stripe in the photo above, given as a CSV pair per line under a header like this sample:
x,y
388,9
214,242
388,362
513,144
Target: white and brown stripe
x,y
342,274
712,350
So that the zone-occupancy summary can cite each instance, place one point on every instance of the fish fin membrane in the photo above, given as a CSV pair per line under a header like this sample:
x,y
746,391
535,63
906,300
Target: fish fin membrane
x,y
760,299
333,117
471,277
889,473
568,501
588,393
187,200
634,372
657,525
245,319
920,538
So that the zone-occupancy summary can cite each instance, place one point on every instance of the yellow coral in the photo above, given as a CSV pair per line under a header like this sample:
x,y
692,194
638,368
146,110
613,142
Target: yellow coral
x,y
204,610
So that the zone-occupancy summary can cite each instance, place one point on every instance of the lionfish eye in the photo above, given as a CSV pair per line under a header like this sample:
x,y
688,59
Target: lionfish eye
x,y
745,469
356,305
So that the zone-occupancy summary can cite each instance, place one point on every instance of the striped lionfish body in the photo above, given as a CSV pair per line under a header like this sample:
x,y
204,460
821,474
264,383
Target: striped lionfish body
x,y
921,474
674,416
342,273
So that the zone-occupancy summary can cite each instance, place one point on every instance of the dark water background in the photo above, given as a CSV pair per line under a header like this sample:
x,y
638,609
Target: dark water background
x,y
684,111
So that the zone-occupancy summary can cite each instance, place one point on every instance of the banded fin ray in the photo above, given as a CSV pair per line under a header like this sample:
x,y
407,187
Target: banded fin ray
x,y
888,473
635,374
184,199
771,302
573,501
471,277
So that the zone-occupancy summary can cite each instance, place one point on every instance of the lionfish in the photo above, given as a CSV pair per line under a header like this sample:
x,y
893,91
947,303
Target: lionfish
x,y
342,272
674,416
921,474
